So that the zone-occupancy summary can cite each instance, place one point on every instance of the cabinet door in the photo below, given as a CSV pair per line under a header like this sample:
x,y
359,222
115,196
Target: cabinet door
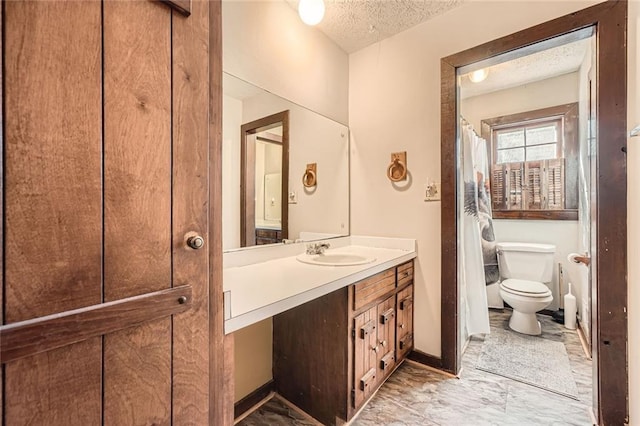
x,y
385,346
365,357
404,341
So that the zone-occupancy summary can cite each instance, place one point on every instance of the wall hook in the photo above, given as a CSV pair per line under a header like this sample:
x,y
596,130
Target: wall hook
x,y
397,170
309,178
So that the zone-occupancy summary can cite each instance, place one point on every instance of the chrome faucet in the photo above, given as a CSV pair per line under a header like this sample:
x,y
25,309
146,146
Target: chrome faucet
x,y
317,248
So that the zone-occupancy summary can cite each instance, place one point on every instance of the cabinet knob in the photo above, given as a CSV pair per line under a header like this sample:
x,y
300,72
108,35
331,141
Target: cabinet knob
x,y
401,325
196,242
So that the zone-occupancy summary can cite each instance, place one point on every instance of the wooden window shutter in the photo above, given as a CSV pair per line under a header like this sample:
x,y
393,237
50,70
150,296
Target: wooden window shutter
x,y
498,174
514,185
534,191
555,184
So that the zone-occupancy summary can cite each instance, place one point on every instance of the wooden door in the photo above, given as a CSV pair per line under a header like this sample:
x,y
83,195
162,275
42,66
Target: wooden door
x,y
106,177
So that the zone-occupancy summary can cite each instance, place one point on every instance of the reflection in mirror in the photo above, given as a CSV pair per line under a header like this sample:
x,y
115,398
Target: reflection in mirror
x,y
268,142
264,160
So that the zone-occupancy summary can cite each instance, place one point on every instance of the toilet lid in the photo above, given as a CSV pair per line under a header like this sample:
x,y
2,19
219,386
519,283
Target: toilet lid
x,y
525,288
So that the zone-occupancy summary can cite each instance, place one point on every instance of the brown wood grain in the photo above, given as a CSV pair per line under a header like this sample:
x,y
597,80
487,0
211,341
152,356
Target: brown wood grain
x,y
536,214
190,212
30,337
386,337
610,337
450,347
60,387
610,295
253,399
404,326
1,210
184,7
137,179
52,146
425,359
137,375
301,337
221,347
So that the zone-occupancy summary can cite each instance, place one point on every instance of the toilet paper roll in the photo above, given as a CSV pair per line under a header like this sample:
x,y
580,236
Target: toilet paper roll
x,y
584,259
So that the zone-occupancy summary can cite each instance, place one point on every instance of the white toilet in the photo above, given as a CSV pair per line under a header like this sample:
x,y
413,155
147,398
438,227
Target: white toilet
x,y
526,269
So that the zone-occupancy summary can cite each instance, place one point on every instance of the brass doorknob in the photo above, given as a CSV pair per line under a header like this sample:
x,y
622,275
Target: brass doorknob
x,y
196,242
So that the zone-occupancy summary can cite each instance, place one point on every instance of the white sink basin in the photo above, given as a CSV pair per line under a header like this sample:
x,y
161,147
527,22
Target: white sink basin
x,y
335,259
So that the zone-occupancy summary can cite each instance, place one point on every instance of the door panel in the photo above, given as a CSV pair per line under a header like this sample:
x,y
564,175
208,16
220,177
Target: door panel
x,y
59,387
137,375
190,199
53,204
137,168
106,176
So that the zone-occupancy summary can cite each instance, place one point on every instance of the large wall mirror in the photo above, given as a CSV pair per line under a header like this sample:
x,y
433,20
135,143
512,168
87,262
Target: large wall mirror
x,y
285,170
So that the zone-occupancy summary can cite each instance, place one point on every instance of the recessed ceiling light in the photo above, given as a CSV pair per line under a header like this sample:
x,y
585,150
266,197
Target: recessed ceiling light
x,y
478,76
311,11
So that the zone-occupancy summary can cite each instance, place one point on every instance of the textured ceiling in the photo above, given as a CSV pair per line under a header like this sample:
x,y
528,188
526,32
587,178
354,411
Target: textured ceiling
x,y
354,24
527,69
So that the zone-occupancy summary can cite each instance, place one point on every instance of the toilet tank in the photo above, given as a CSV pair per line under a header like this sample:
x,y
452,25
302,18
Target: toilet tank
x,y
526,261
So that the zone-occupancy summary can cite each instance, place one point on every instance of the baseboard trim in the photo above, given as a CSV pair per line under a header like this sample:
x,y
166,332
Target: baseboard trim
x,y
249,401
425,359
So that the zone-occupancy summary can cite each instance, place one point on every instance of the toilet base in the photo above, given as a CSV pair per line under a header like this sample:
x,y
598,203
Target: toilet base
x,y
525,323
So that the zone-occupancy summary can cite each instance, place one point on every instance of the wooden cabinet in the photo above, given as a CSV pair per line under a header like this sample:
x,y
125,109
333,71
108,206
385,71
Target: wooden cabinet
x,y
331,354
268,236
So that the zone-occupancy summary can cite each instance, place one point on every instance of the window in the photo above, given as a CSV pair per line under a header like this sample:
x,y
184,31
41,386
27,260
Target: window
x,y
534,163
529,142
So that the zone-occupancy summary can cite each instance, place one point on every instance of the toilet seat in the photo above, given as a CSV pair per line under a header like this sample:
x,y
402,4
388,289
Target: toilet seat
x,y
534,289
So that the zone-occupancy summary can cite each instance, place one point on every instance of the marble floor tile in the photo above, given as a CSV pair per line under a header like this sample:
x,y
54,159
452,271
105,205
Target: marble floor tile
x,y
415,395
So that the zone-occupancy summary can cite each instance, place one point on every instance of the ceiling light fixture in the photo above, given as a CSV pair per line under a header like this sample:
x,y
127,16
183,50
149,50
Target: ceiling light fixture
x,y
478,76
311,11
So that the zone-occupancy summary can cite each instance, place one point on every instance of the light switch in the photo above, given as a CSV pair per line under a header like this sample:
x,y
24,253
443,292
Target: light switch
x,y
293,197
432,192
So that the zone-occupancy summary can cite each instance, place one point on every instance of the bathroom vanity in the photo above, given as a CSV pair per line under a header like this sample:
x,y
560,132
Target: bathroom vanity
x,y
338,331
331,354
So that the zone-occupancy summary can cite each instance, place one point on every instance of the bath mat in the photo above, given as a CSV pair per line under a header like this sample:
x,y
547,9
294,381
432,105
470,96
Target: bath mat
x,y
528,359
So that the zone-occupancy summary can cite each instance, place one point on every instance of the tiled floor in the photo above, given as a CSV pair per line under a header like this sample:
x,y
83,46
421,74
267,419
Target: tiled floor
x,y
417,396
414,395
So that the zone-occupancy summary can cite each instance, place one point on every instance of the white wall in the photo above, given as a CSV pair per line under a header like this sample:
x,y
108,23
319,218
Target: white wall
x,y
553,91
231,122
266,43
394,104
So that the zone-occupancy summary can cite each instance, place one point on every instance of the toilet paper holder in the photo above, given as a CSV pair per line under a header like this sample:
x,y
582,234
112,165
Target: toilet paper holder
x,y
585,259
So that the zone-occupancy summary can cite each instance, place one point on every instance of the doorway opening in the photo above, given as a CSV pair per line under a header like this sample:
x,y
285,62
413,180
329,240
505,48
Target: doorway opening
x,y
540,170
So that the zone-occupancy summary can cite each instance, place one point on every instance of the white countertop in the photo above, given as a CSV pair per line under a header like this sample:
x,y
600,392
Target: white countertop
x,y
259,284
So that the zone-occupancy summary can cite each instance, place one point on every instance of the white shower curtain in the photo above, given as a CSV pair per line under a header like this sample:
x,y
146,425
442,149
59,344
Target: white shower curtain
x,y
471,268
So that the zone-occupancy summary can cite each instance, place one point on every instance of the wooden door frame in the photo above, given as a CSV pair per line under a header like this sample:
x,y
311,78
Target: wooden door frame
x,y
609,319
247,175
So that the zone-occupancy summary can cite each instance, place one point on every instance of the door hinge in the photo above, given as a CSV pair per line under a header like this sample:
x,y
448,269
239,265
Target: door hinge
x,y
353,397
353,333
